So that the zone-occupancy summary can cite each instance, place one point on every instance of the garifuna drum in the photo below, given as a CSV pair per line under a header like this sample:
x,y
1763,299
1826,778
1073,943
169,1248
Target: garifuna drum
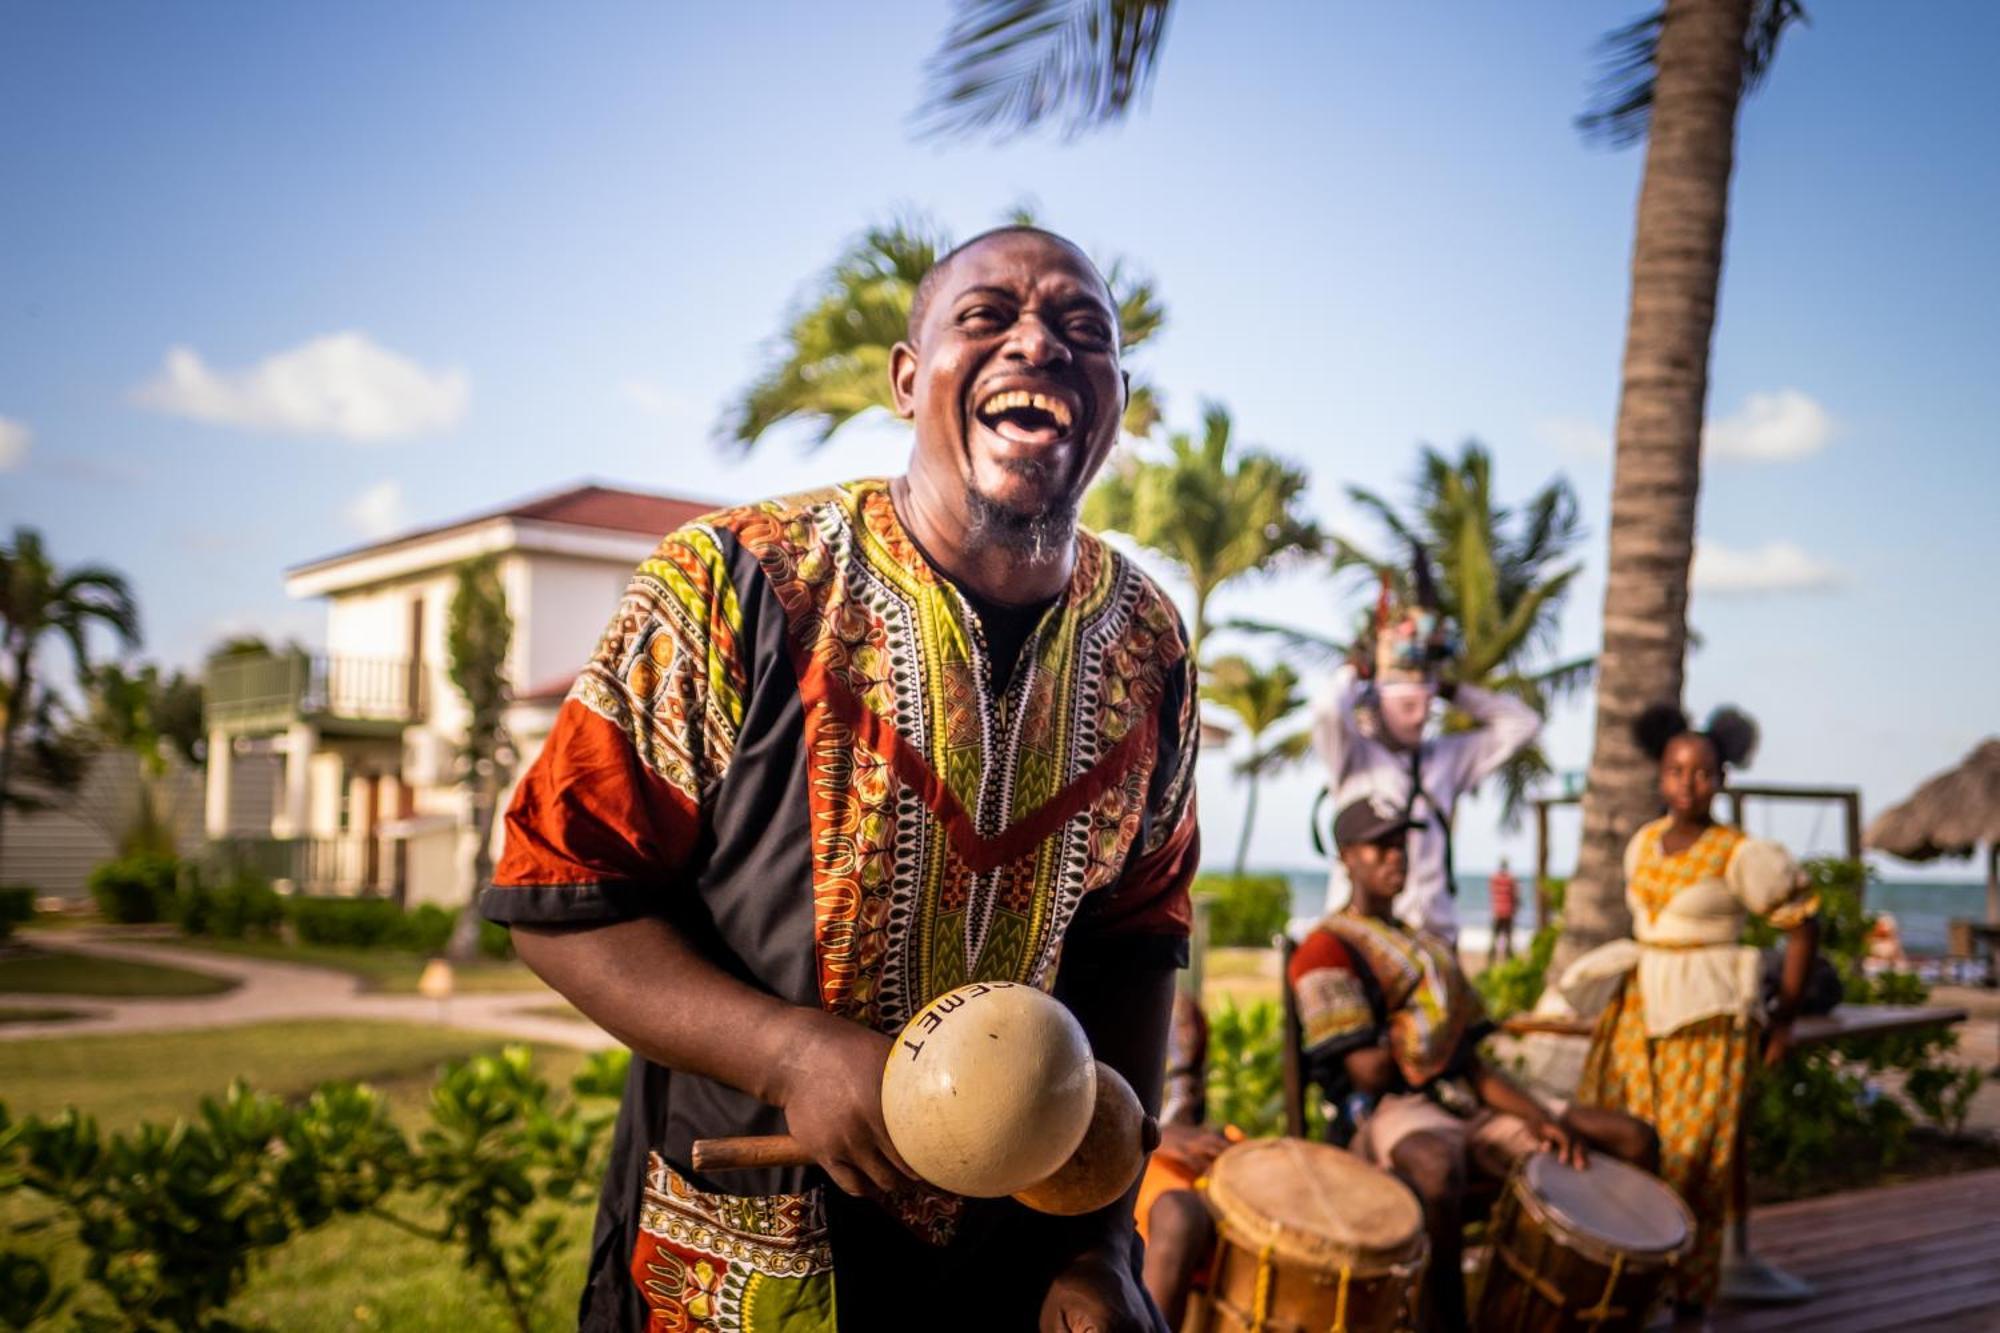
x,y
1585,1250
989,1089
1311,1238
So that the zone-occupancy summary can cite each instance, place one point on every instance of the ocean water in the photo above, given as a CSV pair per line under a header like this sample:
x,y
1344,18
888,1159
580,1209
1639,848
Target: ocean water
x,y
1921,908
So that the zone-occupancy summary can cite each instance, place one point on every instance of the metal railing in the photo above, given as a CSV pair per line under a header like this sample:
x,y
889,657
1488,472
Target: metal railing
x,y
339,865
252,693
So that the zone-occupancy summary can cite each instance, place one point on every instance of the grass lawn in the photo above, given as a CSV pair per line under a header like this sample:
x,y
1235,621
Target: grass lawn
x,y
25,970
358,1273
1244,976
382,970
13,1014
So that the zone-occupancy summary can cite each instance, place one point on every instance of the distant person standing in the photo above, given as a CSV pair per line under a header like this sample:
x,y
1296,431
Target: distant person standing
x,y
1370,728
1502,894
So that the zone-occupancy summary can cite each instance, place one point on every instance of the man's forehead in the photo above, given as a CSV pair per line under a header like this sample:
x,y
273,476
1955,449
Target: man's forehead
x,y
1023,262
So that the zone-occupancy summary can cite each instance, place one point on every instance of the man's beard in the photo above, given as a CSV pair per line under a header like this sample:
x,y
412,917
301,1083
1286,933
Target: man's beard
x,y
1036,536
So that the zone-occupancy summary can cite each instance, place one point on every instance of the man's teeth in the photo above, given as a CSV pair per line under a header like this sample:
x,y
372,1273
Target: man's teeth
x,y
1015,399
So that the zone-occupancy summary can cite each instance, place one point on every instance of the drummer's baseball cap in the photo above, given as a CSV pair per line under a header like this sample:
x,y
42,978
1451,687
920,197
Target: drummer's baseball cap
x,y
1364,821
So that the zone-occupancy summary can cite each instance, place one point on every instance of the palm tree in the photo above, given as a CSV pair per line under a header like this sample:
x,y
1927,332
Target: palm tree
x,y
480,633
833,357
1503,575
155,717
1260,700
1680,75
36,599
1214,511
1677,79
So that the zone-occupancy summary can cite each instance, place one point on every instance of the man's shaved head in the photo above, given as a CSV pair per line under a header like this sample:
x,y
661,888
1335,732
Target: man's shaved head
x,y
933,278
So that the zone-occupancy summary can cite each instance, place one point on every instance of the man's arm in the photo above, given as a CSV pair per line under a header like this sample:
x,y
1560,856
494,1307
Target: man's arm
x,y
1372,1069
1333,729
1505,724
1502,1094
645,984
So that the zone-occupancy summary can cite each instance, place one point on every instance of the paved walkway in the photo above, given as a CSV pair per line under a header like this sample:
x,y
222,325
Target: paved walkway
x,y
270,992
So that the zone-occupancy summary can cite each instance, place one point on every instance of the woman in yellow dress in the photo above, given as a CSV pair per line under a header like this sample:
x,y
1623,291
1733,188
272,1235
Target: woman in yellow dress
x,y
1679,1004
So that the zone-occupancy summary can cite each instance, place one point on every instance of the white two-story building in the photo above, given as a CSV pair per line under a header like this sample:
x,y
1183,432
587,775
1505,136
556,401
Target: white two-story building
x,y
337,772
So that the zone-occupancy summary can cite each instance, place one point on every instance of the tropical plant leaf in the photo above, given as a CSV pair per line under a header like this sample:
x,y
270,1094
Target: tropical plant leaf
x,y
1621,106
1007,66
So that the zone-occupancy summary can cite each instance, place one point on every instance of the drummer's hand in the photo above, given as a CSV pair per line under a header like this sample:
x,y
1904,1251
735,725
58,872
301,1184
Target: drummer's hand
x,y
1191,1146
1095,1294
830,1090
1564,1142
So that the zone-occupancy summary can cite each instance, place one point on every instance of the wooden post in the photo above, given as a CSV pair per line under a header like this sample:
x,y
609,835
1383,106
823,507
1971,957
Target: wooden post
x,y
1736,809
1541,864
1853,809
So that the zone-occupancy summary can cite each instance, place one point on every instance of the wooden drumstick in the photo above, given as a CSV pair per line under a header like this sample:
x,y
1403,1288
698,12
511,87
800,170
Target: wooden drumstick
x,y
747,1152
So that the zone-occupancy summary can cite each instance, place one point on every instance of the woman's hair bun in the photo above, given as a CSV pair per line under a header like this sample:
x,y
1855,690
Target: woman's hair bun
x,y
1656,726
1734,735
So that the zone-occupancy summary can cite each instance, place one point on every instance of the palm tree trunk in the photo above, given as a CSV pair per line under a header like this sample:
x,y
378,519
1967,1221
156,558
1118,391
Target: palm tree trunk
x,y
1249,820
17,708
1676,269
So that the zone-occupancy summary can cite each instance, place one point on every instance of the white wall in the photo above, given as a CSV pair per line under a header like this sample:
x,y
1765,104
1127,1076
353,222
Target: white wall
x,y
568,603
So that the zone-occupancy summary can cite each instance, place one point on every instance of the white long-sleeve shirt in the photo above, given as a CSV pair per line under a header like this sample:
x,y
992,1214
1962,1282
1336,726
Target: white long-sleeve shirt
x,y
1359,767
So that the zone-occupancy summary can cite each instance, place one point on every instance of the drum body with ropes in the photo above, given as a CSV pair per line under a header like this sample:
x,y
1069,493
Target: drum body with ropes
x,y
1587,1250
1311,1238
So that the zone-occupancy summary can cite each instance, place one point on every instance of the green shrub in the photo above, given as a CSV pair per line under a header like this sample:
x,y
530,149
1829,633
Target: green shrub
x,y
134,890
372,923
170,1220
244,905
17,907
1245,911
496,941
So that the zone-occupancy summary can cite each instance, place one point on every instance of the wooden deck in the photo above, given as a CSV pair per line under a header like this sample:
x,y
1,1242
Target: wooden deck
x,y
1922,1257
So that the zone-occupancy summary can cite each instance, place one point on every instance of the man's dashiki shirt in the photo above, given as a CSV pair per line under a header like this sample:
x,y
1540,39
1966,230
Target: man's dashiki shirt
x,y
787,745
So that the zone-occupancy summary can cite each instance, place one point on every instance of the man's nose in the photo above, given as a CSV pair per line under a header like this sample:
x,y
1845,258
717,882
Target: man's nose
x,y
1037,344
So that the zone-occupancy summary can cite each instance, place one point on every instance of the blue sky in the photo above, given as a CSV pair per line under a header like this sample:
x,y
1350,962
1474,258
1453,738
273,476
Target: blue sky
x,y
549,244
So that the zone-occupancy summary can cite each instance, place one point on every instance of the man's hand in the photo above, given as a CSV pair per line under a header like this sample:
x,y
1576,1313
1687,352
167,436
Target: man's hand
x,y
1559,1139
830,1088
1191,1147
1096,1294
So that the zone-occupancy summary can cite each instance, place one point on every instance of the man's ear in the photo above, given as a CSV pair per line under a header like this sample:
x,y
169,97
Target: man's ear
x,y
903,378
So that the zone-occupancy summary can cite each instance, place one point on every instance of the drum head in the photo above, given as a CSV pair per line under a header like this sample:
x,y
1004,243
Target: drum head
x,y
1617,1205
1315,1205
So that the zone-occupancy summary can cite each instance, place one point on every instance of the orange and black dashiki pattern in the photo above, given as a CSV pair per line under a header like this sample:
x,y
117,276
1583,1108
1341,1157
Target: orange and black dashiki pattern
x,y
788,743
1355,976
1690,1084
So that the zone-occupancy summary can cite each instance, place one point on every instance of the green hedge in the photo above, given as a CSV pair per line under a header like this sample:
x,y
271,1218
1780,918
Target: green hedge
x,y
137,889
17,907
243,906
1245,911
365,923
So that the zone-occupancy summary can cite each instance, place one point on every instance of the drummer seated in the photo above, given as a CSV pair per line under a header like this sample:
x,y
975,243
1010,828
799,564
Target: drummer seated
x,y
1386,1012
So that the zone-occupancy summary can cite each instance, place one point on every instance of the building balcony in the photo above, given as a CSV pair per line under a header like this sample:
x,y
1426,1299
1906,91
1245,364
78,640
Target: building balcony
x,y
355,695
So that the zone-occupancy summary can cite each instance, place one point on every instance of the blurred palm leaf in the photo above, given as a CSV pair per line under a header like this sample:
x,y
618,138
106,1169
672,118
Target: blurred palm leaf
x,y
1622,104
1006,66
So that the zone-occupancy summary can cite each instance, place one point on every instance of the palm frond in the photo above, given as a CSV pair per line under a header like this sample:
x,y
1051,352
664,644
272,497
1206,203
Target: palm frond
x,y
1309,647
1622,103
1008,66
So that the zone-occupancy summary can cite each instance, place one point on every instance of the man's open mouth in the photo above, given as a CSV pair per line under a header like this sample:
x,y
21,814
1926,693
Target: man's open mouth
x,y
1023,416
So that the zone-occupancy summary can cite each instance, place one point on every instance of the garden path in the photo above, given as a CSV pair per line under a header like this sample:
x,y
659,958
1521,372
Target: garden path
x,y
273,992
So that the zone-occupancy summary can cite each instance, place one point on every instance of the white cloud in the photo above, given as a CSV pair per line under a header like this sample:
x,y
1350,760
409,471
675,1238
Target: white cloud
x,y
1773,427
1772,567
14,440
378,511
343,385
1574,437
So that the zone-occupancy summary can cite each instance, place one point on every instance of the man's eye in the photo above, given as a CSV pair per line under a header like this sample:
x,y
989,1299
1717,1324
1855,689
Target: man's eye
x,y
1089,330
979,314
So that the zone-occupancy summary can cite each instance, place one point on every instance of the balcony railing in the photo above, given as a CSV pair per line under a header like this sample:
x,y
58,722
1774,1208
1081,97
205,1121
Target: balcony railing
x,y
347,865
269,693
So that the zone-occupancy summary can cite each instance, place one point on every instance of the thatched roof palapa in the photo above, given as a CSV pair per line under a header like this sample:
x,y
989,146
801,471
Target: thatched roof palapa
x,y
1950,815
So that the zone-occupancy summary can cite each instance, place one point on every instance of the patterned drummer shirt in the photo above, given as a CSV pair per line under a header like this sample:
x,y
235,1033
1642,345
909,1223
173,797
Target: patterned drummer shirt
x,y
1358,980
789,743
